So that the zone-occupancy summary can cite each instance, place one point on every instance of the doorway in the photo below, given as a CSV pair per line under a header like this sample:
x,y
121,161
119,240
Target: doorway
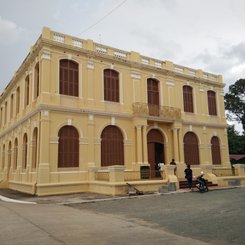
x,y
156,153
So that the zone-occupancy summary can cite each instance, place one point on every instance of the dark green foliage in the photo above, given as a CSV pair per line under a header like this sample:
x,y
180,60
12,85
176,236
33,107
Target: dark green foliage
x,y
235,102
236,141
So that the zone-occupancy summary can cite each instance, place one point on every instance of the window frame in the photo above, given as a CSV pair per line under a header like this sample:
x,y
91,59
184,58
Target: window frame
x,y
188,102
212,105
68,147
68,77
111,85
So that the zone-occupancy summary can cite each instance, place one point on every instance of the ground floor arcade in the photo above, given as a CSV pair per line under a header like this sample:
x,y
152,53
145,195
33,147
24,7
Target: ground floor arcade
x,y
58,152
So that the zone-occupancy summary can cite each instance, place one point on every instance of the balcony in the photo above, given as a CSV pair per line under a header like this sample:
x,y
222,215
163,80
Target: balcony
x,y
163,112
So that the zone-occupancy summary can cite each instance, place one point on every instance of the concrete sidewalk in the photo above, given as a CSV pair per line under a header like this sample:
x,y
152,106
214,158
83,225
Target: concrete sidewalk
x,y
51,224
84,197
169,219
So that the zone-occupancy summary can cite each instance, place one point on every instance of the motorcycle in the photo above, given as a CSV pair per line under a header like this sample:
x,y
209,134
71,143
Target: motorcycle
x,y
201,184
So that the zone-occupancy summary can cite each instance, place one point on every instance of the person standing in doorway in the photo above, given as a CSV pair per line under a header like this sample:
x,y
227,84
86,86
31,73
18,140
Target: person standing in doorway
x,y
188,176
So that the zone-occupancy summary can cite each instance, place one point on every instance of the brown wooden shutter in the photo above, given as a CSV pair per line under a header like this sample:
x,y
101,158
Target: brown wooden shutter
x,y
68,149
112,147
36,87
188,98
191,149
15,153
111,85
212,103
215,147
24,156
153,96
69,78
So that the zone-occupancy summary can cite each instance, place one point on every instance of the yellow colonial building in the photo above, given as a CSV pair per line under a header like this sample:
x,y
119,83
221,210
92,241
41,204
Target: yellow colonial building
x,y
79,116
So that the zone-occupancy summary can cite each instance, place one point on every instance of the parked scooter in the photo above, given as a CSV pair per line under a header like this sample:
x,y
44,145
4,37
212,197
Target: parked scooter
x,y
202,183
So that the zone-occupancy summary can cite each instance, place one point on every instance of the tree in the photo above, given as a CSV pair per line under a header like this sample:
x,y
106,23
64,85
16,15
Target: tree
x,y
236,141
235,102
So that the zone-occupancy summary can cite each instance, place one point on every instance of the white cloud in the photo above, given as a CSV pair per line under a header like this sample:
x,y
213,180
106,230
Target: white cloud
x,y
9,32
207,35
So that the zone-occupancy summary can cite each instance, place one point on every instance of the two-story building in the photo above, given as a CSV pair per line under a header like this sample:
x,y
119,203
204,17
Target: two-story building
x,y
81,116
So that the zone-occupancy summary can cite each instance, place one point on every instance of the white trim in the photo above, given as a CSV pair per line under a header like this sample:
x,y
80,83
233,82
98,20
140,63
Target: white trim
x,y
6,199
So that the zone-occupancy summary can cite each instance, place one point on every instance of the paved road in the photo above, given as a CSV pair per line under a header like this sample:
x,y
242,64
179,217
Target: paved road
x,y
216,217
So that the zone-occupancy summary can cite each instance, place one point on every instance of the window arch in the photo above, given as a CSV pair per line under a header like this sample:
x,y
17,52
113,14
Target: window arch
x,y
68,149
9,154
17,100
111,85
188,98
155,149
34,148
11,105
215,148
191,149
6,113
3,156
36,81
25,148
27,88
153,96
212,103
15,153
112,147
69,77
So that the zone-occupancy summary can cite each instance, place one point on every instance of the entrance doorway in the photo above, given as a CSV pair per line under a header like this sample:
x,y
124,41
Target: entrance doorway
x,y
156,154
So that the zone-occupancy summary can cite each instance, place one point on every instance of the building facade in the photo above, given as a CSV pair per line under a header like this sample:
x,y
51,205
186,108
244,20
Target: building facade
x,y
76,110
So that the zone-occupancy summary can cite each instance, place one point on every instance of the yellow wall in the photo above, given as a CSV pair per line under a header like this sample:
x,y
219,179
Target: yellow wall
x,y
90,114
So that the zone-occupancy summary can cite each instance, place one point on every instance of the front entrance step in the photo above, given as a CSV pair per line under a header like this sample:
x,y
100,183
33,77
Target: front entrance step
x,y
184,183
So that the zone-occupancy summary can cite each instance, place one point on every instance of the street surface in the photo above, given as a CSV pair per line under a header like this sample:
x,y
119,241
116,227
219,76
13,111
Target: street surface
x,y
216,217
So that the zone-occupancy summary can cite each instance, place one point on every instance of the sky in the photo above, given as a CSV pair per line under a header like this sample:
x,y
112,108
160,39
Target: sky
x,y
201,34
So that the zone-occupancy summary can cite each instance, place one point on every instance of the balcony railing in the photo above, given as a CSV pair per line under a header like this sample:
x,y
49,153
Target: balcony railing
x,y
165,112
154,110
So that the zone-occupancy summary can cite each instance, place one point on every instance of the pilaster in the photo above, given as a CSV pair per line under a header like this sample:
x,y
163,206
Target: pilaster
x,y
91,145
44,160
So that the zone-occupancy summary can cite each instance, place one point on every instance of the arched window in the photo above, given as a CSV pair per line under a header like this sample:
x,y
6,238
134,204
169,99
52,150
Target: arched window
x,y
15,153
215,148
188,99
1,117
191,149
17,100
9,154
112,147
36,81
212,103
69,77
153,96
24,155
11,106
6,113
27,88
3,157
111,85
68,149
34,148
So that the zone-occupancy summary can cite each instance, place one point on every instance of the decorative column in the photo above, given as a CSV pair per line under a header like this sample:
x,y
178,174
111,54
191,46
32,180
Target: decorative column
x,y
205,150
91,145
139,144
145,150
181,147
44,161
45,71
176,147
